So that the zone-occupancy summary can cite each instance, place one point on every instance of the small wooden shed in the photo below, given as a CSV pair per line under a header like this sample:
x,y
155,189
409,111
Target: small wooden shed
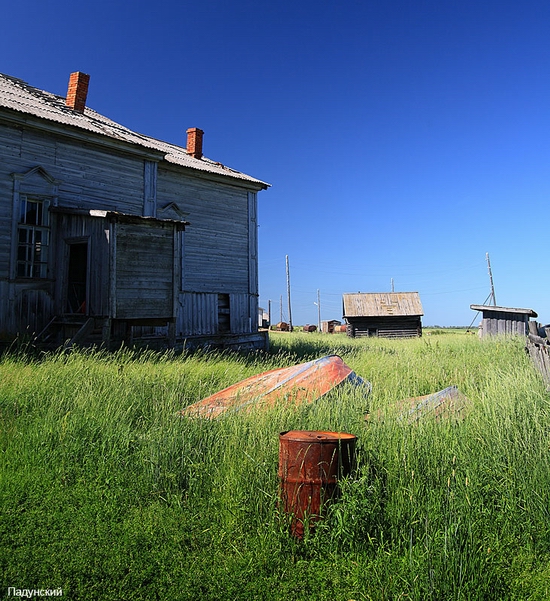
x,y
383,314
327,326
503,321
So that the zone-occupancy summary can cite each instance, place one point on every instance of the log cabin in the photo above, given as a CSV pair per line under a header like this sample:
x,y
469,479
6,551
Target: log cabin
x,y
108,235
383,314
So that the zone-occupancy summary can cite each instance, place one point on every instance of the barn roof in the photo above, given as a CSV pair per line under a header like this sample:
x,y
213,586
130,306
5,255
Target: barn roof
x,y
488,309
382,304
16,95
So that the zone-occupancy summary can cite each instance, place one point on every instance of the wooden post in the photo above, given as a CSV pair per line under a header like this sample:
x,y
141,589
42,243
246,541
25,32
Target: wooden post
x,y
491,279
318,310
288,294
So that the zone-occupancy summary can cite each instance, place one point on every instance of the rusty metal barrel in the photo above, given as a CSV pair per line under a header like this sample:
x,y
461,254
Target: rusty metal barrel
x,y
310,465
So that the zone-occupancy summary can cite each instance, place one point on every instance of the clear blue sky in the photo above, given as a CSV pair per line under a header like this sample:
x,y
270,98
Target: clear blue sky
x,y
402,139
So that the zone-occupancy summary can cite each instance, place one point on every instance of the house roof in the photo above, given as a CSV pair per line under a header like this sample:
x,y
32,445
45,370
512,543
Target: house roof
x,y
489,309
382,304
19,96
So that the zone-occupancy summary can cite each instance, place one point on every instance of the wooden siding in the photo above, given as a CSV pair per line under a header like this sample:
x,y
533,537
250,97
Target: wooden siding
x,y
24,309
10,144
217,241
31,306
90,176
240,313
199,314
219,257
504,321
143,276
16,180
69,229
249,322
96,179
5,310
502,324
150,189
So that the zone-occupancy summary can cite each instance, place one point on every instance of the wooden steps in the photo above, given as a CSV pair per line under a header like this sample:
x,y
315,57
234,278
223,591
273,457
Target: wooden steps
x,y
65,331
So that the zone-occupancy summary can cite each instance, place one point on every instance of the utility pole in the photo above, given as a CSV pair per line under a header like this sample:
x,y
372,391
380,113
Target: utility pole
x,y
318,303
491,279
269,312
288,295
392,285
281,306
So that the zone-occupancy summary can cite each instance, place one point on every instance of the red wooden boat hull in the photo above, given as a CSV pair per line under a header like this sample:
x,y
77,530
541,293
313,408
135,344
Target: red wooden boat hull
x,y
298,384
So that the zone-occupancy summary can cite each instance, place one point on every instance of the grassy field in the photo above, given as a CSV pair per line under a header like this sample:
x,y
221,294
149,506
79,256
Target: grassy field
x,y
106,494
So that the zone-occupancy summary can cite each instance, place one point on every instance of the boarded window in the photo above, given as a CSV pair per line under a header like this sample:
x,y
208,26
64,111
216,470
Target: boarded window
x,y
144,271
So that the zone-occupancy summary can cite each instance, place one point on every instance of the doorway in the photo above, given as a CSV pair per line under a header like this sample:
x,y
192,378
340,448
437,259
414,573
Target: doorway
x,y
77,278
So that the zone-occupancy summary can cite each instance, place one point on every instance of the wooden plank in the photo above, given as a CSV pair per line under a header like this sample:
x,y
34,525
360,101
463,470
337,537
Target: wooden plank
x,y
198,314
539,351
144,270
150,188
217,242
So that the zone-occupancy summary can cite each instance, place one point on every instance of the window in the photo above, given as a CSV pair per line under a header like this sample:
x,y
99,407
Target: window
x,y
33,237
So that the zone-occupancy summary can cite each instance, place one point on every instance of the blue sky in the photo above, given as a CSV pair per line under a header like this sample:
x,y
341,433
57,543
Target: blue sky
x,y
403,140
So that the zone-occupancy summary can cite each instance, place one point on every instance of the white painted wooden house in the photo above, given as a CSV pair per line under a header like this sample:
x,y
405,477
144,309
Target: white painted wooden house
x,y
105,232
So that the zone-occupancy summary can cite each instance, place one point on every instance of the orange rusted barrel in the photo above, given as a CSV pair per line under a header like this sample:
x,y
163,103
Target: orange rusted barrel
x,y
310,464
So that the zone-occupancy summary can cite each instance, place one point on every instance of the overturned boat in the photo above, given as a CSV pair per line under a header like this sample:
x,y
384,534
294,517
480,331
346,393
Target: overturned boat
x,y
445,404
303,383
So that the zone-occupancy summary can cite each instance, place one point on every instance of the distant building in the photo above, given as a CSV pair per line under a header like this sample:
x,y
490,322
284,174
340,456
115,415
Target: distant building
x,y
383,314
263,318
327,326
503,321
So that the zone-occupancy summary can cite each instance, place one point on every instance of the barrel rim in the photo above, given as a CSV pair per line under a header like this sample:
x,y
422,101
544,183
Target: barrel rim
x,y
316,436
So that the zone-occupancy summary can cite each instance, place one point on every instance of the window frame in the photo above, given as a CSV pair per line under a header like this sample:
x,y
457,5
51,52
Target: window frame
x,y
33,240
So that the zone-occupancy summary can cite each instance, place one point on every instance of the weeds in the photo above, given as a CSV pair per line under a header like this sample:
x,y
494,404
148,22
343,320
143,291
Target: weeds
x,y
107,494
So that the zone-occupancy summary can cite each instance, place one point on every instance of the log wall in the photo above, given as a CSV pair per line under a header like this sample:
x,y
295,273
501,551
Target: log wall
x,y
385,327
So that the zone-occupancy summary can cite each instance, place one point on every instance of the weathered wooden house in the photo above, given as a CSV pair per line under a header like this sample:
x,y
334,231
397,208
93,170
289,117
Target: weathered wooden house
x,y
383,314
108,233
503,321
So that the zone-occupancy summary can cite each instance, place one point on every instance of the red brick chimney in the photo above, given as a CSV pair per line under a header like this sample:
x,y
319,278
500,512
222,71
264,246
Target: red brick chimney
x,y
77,91
194,142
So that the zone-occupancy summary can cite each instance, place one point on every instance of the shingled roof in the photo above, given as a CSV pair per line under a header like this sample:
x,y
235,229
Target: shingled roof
x,y
25,100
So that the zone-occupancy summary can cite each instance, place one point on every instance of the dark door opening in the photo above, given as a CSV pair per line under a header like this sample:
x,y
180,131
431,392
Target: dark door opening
x,y
224,315
77,278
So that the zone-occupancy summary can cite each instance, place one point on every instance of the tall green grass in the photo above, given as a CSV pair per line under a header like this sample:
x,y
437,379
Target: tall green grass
x,y
107,493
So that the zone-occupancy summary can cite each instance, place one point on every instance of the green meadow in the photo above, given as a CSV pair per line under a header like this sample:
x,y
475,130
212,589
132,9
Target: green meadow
x,y
107,494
